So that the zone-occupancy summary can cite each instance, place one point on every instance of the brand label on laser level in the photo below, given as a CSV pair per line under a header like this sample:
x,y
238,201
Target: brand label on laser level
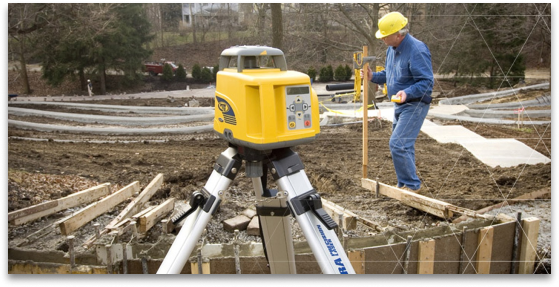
x,y
333,252
227,111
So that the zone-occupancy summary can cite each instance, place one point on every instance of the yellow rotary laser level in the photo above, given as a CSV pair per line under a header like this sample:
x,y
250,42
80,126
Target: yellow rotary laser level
x,y
260,104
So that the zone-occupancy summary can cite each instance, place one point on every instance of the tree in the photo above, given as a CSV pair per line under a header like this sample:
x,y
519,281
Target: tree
x,y
196,71
97,38
277,25
340,73
487,38
348,72
167,75
25,19
180,74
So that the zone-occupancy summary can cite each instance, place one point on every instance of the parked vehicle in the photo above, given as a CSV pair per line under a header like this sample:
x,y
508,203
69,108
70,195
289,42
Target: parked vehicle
x,y
156,68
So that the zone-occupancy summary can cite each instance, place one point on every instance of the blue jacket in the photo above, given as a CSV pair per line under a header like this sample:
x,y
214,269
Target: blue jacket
x,y
408,67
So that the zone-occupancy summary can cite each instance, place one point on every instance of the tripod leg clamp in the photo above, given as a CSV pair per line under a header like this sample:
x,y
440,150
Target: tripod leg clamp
x,y
310,201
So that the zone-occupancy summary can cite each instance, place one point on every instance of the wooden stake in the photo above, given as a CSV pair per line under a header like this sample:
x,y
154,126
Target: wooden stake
x,y
426,257
530,230
485,248
365,113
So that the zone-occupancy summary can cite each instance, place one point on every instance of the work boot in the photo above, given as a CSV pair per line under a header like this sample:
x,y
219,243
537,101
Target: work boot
x,y
411,190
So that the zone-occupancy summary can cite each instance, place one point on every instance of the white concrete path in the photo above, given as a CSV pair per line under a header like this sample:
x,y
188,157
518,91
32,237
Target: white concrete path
x,y
492,152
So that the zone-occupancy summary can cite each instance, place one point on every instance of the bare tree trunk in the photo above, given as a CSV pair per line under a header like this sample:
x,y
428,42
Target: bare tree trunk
x,y
277,26
193,23
102,79
23,69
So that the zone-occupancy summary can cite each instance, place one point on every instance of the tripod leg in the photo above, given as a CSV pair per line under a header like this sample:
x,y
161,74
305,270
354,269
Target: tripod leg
x,y
224,172
273,214
287,169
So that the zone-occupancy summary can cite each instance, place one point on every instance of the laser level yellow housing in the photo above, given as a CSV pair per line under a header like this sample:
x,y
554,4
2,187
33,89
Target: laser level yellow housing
x,y
260,104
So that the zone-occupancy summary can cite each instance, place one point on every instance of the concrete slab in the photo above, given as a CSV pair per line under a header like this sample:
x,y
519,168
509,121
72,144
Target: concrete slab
x,y
504,152
450,134
447,109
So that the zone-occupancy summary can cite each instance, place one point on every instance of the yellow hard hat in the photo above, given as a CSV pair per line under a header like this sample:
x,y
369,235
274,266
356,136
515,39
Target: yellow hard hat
x,y
390,24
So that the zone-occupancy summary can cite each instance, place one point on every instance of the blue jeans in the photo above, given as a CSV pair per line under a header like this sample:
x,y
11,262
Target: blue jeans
x,y
408,119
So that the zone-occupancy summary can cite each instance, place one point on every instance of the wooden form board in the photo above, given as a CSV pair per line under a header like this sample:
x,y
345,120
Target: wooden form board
x,y
435,207
529,234
357,259
135,205
453,253
426,257
485,249
27,214
93,210
349,219
525,197
149,219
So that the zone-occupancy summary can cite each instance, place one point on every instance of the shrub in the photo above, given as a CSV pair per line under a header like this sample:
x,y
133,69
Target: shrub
x,y
206,75
339,74
312,73
214,72
180,74
167,73
196,72
348,72
326,74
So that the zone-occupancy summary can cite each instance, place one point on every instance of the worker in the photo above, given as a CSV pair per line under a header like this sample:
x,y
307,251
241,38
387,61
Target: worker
x,y
89,88
409,77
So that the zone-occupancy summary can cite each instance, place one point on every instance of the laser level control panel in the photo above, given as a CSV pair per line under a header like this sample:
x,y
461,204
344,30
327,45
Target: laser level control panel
x,y
297,101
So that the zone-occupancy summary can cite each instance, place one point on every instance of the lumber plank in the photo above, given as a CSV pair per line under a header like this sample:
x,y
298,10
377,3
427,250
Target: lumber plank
x,y
485,249
418,201
135,205
357,259
27,214
349,221
95,209
525,197
528,248
426,257
149,219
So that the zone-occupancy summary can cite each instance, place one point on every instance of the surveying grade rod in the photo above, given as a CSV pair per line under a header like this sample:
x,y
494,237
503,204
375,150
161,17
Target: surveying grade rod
x,y
185,241
337,87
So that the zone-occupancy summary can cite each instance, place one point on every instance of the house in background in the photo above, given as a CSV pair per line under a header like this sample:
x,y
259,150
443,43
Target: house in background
x,y
215,13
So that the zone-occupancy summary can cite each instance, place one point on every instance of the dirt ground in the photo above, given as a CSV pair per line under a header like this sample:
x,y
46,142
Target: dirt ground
x,y
44,170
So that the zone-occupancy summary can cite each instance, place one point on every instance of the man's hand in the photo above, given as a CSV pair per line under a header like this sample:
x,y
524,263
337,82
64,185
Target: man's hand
x,y
402,95
369,73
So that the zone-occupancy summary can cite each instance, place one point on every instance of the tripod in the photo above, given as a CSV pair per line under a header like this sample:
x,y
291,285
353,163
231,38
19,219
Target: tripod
x,y
295,196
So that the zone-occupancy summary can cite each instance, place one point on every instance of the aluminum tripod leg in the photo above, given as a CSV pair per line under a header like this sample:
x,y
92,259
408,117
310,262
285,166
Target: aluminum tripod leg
x,y
290,176
224,172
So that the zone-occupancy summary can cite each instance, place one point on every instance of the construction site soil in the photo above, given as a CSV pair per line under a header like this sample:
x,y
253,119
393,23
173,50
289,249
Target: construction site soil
x,y
63,163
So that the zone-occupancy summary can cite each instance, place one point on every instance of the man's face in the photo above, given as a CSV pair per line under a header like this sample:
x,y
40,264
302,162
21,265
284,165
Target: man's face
x,y
393,40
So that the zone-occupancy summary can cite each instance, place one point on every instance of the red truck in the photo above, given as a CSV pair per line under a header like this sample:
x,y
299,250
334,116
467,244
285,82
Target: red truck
x,y
156,68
